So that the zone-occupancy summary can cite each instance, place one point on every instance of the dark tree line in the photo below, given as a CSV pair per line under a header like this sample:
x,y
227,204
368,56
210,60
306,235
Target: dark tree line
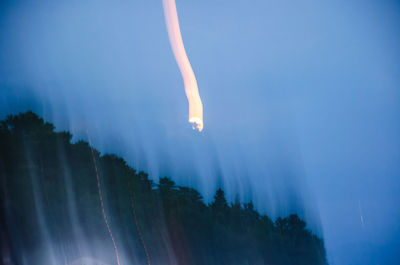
x,y
50,204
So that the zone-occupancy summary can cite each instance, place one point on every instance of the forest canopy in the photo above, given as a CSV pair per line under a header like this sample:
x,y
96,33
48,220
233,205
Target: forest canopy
x,y
53,193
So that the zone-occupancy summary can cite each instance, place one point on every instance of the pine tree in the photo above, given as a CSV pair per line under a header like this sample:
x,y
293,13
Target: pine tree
x,y
219,207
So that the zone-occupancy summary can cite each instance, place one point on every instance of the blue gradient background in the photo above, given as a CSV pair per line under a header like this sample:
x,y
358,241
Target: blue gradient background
x,y
301,101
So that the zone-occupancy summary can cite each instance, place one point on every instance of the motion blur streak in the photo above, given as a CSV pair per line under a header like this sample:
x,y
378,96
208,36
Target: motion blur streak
x,y
136,221
189,79
101,202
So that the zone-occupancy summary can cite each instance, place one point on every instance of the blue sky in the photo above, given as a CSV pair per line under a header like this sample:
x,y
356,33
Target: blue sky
x,y
301,101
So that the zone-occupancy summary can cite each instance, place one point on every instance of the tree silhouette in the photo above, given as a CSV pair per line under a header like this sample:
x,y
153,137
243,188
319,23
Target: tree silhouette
x,y
50,183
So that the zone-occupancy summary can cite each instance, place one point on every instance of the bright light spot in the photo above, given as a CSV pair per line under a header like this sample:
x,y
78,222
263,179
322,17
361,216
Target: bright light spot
x,y
197,123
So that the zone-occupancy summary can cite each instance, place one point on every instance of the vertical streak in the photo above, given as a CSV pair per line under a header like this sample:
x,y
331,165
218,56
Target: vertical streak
x,y
361,214
136,221
189,79
101,202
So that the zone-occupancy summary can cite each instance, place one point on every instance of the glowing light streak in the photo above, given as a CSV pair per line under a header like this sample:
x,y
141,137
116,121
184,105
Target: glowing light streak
x,y
189,79
102,203
136,221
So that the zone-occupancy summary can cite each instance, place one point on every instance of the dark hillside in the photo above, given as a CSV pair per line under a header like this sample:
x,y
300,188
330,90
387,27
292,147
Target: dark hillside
x,y
51,210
